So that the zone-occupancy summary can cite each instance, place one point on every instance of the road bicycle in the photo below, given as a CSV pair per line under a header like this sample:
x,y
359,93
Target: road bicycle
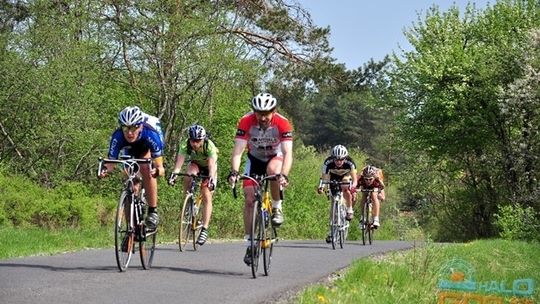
x,y
190,218
339,226
366,220
129,227
263,234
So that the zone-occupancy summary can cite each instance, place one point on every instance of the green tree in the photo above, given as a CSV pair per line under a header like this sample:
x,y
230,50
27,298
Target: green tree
x,y
449,91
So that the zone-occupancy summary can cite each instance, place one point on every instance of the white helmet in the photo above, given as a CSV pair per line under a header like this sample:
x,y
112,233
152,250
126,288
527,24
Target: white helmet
x,y
196,132
369,171
263,102
130,116
339,152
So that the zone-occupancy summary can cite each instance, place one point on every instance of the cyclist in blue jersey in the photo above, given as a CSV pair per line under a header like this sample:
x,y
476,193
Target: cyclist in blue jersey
x,y
140,136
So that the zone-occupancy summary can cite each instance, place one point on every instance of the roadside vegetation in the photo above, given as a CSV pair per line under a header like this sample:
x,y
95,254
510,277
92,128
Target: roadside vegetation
x,y
414,276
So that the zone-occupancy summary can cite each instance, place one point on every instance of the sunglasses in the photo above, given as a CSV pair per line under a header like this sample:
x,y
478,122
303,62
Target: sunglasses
x,y
130,128
369,178
195,140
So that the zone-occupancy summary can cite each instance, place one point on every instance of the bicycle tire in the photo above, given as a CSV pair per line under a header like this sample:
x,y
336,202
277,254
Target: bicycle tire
x,y
270,237
185,219
371,228
334,231
124,238
196,224
364,224
342,225
255,242
147,249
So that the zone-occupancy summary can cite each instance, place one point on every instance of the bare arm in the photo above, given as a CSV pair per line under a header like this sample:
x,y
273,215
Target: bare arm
x,y
287,150
180,158
238,150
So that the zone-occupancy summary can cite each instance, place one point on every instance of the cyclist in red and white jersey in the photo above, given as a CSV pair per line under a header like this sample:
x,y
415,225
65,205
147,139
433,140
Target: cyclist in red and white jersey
x,y
267,135
372,178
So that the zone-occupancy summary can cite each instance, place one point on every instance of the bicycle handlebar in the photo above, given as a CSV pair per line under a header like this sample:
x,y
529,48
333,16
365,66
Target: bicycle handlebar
x,y
132,164
258,180
194,176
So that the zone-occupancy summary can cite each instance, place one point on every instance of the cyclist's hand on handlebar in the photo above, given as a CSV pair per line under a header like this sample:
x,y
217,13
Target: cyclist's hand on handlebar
x,y
103,173
233,177
283,180
211,184
172,179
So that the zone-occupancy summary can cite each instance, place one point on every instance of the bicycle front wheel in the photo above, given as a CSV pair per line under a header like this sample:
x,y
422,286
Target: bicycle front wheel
x,y
196,224
185,219
147,248
255,236
124,237
343,225
270,237
334,230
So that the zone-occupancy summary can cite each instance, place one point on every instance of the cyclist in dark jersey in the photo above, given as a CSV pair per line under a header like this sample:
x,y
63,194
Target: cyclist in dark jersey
x,y
339,166
202,155
139,136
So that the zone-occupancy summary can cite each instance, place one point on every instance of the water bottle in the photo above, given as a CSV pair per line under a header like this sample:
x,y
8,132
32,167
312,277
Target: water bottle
x,y
265,217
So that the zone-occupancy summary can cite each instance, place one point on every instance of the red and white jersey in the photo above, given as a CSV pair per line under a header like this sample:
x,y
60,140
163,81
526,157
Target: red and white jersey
x,y
264,144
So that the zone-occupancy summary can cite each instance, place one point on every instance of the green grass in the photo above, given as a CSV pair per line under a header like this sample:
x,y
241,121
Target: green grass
x,y
412,276
17,242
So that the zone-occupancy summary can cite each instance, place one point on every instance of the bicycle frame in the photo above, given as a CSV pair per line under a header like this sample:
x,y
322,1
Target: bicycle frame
x,y
263,234
135,230
339,226
190,223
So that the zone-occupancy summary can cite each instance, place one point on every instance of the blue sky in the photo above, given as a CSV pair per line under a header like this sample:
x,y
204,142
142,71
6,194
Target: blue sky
x,y
364,29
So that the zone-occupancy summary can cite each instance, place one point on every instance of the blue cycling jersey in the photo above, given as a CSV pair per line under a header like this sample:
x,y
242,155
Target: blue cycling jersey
x,y
149,139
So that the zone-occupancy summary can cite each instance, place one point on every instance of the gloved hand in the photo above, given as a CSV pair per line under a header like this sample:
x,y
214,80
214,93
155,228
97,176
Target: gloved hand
x,y
172,179
320,190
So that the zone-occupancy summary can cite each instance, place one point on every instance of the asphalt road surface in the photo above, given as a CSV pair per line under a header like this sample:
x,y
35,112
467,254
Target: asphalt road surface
x,y
215,273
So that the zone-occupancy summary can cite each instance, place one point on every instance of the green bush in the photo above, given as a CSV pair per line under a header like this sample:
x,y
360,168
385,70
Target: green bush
x,y
516,222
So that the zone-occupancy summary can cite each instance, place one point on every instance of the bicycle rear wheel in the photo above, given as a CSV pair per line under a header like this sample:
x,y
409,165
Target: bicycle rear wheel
x,y
147,248
270,237
124,238
185,218
256,232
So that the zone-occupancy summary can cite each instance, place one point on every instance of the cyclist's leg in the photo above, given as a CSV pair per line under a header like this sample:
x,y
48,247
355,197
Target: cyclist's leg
x,y
150,188
376,208
347,196
274,167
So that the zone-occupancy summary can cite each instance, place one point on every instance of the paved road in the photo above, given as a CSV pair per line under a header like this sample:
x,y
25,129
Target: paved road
x,y
213,274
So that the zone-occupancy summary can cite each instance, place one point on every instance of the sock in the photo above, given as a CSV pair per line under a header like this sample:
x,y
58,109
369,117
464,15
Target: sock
x,y
247,240
276,204
152,209
350,210
375,218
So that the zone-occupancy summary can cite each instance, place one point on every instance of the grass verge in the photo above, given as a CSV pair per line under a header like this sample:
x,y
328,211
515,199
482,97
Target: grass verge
x,y
413,276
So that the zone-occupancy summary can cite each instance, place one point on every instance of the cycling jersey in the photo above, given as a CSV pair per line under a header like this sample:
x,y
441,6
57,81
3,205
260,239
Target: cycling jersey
x,y
377,183
338,173
154,123
264,144
200,158
149,139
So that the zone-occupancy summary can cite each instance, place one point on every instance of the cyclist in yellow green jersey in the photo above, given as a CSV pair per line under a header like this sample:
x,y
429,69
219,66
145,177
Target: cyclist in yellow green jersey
x,y
202,155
